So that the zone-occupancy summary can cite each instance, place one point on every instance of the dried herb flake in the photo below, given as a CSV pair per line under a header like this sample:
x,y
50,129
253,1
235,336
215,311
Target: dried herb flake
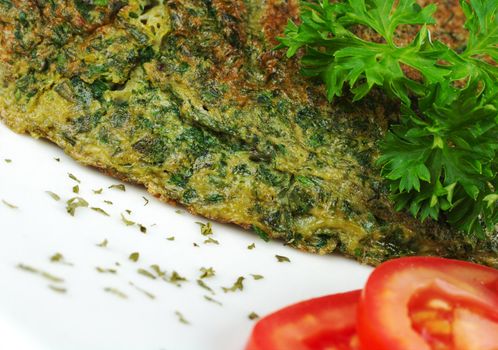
x,y
253,316
281,258
101,211
238,285
116,292
257,277
211,241
54,196
74,203
176,278
208,298
206,229
134,256
72,177
119,187
103,244
9,205
148,294
57,289
59,258
41,273
203,284
104,270
146,273
207,272
181,318
157,269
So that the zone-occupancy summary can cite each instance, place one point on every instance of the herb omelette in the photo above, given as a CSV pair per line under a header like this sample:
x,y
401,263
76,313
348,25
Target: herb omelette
x,y
189,99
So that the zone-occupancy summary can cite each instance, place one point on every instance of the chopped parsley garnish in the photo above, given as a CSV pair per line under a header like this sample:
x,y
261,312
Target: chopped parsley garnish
x,y
108,202
251,246
57,289
146,201
176,278
207,272
9,205
238,285
281,258
142,228
257,277
206,229
101,211
158,271
181,318
99,191
172,238
76,189
203,284
59,258
41,273
72,177
126,221
103,244
74,203
143,291
54,196
8,160
105,270
208,298
119,187
134,256
116,292
146,273
253,316
211,240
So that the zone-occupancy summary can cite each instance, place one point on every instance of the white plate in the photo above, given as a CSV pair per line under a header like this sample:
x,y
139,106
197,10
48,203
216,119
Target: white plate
x,y
32,316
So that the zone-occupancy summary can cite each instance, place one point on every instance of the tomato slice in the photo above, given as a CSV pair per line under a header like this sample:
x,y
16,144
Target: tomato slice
x,y
326,323
426,303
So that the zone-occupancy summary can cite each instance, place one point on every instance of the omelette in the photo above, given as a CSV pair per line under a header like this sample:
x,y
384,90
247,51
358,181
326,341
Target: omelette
x,y
189,99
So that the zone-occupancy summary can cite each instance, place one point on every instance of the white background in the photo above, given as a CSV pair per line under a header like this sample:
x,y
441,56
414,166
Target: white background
x,y
32,316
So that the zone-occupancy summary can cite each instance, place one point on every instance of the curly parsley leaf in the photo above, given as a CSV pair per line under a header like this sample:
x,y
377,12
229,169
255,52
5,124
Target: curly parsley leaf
x,y
443,159
482,24
334,52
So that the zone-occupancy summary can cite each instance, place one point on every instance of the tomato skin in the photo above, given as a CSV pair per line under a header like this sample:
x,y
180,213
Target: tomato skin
x,y
384,321
310,325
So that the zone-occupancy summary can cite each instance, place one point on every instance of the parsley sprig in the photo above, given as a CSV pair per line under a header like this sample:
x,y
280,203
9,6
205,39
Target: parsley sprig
x,y
334,52
441,160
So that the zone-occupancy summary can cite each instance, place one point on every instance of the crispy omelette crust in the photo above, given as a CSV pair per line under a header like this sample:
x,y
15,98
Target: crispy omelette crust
x,y
189,99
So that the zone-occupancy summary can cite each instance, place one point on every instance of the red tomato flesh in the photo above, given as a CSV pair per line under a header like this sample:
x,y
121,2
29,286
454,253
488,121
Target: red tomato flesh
x,y
425,303
326,323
